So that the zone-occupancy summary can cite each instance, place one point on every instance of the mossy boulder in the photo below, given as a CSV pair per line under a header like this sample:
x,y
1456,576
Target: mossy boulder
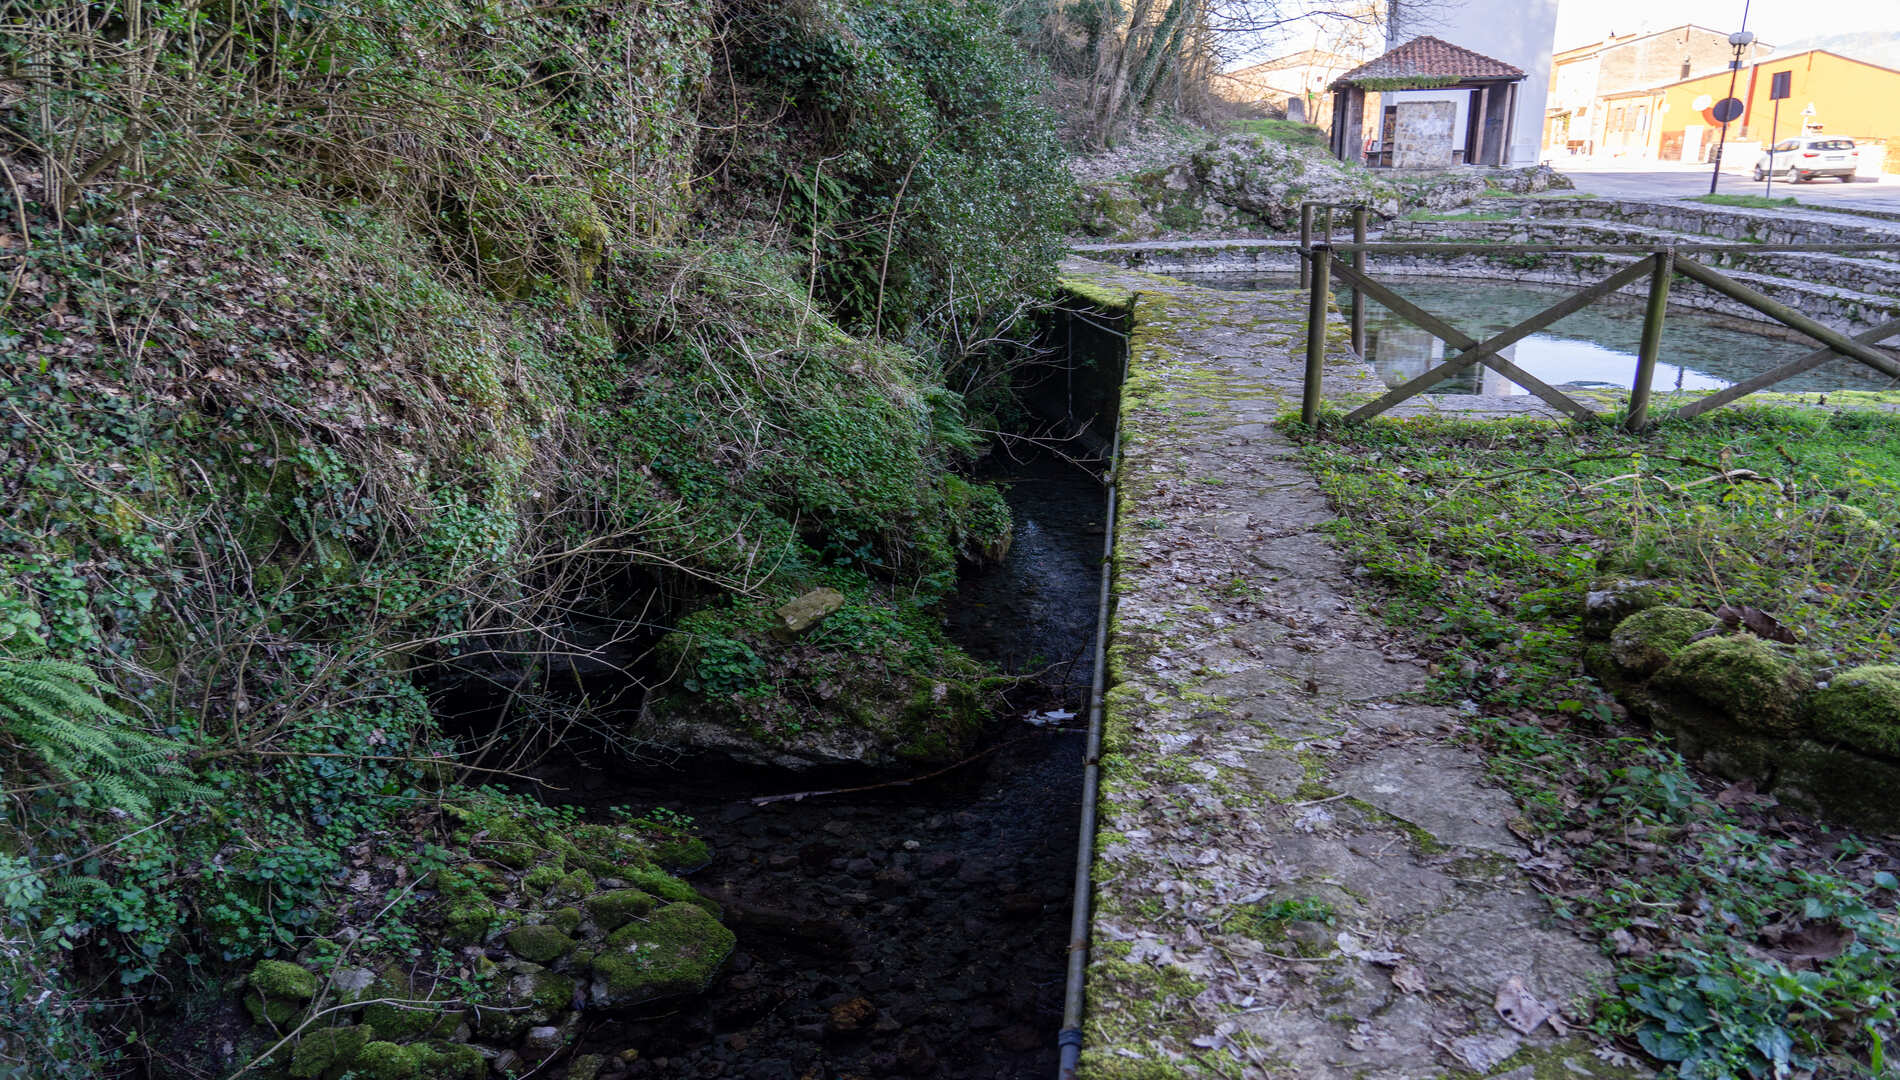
x,y
1861,708
615,908
382,1060
540,943
328,1051
1643,643
277,990
1738,682
282,979
676,950
416,1016
1609,603
1838,782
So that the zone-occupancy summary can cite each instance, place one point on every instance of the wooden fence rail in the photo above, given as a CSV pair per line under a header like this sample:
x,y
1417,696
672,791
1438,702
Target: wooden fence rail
x,y
1320,265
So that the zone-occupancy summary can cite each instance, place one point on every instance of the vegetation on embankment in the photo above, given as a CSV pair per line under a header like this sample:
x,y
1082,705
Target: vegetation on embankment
x,y
1750,942
351,353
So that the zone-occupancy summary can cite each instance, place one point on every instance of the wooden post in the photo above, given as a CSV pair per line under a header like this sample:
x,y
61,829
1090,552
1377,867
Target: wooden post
x,y
1484,119
1306,243
1651,345
1359,298
1316,333
1329,228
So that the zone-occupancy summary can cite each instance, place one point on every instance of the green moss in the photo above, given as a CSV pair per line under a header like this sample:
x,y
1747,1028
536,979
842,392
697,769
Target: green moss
x,y
1861,707
566,920
542,877
280,979
450,1061
573,885
1647,640
540,943
615,908
676,950
388,1061
327,1050
1741,680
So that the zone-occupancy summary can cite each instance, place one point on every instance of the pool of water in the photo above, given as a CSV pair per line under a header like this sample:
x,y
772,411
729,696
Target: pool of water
x,y
1594,347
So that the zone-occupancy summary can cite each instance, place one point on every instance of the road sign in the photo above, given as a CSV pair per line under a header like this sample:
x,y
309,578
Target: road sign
x,y
1726,110
1779,88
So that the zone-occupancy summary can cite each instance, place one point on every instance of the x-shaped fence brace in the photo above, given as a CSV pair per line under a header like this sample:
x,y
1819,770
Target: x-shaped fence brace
x,y
1659,266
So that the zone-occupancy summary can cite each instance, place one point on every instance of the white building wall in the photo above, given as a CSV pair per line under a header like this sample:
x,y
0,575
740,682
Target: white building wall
x,y
1521,33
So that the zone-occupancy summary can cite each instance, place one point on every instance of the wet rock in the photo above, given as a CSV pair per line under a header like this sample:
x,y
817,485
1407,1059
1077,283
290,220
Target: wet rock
x,y
939,863
849,1016
541,1041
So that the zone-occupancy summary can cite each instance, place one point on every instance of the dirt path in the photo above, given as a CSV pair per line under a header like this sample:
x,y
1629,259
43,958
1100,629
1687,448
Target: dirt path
x,y
1300,872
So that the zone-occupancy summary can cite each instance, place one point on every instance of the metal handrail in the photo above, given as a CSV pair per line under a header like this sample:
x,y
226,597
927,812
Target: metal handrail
x,y
1659,264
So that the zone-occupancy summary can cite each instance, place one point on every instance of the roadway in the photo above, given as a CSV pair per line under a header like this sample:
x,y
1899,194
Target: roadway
x,y
1625,179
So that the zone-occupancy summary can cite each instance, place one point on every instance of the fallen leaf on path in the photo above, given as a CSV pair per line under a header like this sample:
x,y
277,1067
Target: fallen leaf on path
x,y
1408,978
1519,1008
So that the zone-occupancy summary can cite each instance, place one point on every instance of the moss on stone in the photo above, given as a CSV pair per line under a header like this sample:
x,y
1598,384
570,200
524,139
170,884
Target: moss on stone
x,y
327,1051
573,885
1646,641
450,1061
382,1060
542,877
1861,707
676,950
1740,681
567,920
540,943
615,908
281,979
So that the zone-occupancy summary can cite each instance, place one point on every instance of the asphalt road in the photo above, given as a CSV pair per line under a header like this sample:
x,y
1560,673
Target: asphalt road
x,y
1665,180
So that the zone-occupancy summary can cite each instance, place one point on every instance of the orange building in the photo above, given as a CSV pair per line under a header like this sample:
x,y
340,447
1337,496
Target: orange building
x,y
1828,92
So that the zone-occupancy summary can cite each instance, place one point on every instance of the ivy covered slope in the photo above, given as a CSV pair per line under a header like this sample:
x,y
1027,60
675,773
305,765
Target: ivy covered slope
x,y
354,355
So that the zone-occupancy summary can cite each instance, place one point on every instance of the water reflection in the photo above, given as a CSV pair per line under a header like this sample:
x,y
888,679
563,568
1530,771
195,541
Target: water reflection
x,y
1594,347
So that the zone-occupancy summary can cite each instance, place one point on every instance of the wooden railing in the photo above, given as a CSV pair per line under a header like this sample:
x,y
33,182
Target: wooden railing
x,y
1360,213
1660,265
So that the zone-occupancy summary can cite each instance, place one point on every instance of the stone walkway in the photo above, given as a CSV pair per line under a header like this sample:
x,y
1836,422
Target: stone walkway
x,y
1300,873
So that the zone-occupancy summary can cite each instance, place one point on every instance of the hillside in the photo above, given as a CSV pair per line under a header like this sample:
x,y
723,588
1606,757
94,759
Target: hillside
x,y
399,395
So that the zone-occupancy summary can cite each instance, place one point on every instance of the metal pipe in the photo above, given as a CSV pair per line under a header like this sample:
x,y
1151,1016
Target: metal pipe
x,y
1069,1039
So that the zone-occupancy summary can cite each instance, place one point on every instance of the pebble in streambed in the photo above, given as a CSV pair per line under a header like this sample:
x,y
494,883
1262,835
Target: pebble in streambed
x,y
880,938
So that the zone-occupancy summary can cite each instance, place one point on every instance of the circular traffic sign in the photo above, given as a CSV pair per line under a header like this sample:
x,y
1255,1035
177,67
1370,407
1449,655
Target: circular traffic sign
x,y
1727,110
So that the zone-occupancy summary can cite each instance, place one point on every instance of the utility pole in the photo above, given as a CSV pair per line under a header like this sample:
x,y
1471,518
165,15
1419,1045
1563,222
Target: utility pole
x,y
1728,108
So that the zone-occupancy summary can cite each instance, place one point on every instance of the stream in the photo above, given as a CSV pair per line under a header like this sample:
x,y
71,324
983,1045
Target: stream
x,y
915,930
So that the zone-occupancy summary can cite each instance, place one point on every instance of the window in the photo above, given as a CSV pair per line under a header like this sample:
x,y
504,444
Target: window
x,y
1786,144
1835,144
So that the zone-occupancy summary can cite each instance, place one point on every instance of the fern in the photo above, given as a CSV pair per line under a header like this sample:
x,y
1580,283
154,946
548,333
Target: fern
x,y
53,711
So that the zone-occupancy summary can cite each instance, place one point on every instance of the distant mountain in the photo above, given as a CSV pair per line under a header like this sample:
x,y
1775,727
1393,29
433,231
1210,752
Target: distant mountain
x,y
1874,46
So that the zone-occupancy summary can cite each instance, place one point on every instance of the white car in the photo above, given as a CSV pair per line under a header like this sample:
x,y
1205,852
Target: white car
x,y
1810,156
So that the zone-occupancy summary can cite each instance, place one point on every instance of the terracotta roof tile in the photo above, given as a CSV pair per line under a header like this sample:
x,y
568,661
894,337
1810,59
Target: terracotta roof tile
x,y
1430,58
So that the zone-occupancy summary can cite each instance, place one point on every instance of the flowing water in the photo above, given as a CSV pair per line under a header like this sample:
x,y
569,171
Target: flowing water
x,y
902,931
1594,347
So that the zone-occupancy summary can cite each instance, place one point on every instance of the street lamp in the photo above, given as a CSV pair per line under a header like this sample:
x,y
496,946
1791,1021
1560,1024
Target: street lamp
x,y
1741,40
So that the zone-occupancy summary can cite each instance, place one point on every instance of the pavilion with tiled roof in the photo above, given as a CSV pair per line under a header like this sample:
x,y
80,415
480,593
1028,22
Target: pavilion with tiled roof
x,y
1427,64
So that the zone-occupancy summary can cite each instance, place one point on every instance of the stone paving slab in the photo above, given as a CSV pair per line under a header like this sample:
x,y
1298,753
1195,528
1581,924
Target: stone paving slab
x,y
1300,872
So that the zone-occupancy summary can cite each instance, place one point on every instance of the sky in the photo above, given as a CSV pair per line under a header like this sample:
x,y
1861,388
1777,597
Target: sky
x,y
1773,21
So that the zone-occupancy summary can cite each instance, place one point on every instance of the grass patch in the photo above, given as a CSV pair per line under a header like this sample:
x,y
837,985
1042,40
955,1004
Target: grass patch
x,y
1487,535
1288,132
1752,202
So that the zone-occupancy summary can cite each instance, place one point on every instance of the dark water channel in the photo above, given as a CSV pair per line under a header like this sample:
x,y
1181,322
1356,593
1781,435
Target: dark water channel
x,y
908,931
1594,347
